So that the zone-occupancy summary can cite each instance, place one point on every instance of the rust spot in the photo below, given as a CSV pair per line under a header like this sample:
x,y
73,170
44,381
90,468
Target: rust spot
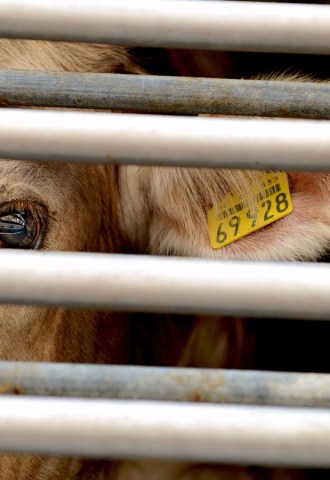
x,y
198,396
5,389
18,390
5,103
213,382
177,378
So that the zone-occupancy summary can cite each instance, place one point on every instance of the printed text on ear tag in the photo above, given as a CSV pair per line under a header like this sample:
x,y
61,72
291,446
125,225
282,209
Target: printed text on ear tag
x,y
231,220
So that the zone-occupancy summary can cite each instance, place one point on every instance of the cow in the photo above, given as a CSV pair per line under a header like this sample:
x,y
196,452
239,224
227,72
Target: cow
x,y
143,210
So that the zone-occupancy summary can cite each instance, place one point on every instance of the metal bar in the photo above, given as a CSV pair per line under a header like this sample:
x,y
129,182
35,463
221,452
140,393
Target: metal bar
x,y
170,384
164,140
165,430
177,285
156,94
207,24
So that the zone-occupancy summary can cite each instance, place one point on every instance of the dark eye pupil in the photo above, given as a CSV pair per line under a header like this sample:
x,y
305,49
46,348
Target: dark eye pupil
x,y
18,229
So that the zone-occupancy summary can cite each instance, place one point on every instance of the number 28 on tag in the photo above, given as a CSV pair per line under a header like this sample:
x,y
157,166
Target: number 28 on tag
x,y
231,220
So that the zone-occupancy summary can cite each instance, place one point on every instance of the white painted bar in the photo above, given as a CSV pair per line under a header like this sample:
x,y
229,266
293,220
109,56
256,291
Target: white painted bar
x,y
230,25
165,430
162,284
164,140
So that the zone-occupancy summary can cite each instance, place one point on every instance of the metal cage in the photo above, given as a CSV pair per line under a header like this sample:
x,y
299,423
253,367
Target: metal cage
x,y
142,411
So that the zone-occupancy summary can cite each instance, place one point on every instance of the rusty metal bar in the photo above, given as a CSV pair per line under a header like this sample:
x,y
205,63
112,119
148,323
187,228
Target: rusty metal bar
x,y
170,384
165,430
156,94
133,139
176,285
250,26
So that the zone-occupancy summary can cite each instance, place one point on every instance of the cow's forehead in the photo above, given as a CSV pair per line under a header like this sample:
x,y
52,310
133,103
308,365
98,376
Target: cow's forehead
x,y
36,173
33,181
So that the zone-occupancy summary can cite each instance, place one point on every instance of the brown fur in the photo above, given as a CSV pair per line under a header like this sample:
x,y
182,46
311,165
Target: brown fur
x,y
159,211
79,204
76,221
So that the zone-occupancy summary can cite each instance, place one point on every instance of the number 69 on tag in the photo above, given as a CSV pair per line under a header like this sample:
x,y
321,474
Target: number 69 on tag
x,y
226,229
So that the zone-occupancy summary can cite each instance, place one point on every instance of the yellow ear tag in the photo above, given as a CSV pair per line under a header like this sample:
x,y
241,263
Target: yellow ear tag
x,y
231,220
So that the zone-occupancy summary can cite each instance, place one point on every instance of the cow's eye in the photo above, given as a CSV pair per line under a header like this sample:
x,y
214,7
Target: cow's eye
x,y
21,228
